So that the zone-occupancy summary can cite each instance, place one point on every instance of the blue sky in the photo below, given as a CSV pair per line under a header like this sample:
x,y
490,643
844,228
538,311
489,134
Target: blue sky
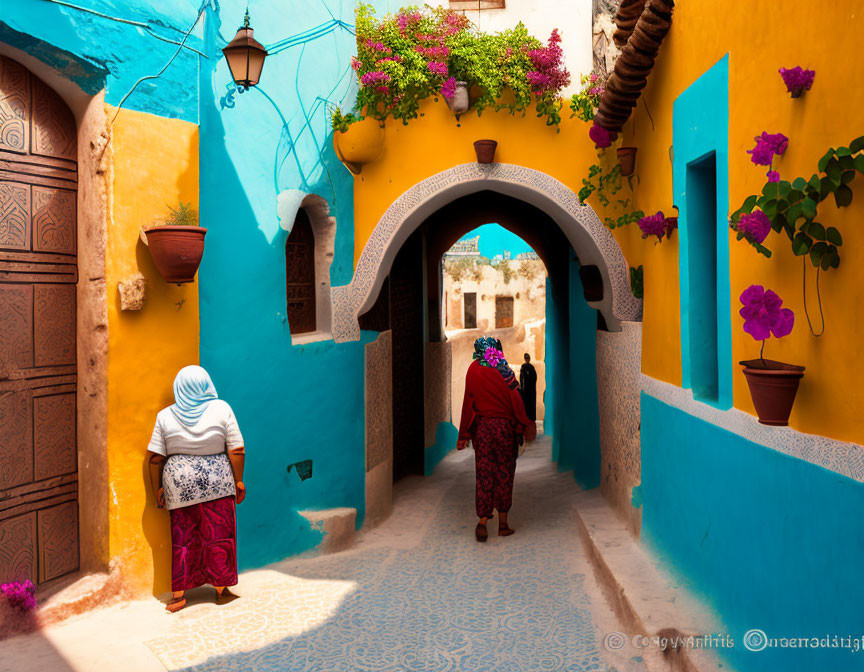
x,y
495,239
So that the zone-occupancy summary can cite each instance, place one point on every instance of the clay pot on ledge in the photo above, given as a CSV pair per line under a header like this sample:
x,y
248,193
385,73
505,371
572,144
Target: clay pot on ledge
x,y
460,102
773,386
485,150
176,251
627,159
362,143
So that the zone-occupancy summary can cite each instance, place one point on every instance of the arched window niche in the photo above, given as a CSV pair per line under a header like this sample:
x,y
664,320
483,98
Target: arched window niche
x,y
308,256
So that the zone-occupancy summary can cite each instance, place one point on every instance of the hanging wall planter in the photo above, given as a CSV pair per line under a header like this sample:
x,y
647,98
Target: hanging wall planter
x,y
485,150
773,386
627,159
459,102
177,246
361,143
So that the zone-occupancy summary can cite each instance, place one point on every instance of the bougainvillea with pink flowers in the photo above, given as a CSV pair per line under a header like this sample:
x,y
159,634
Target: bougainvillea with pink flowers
x,y
797,79
417,53
20,595
658,225
764,315
601,137
755,226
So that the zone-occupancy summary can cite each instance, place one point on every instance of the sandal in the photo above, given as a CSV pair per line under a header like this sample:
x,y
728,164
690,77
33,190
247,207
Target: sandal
x,y
480,532
225,596
505,531
175,604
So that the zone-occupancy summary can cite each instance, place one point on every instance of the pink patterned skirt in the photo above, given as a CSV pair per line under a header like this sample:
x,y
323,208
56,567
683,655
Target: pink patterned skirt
x,y
204,544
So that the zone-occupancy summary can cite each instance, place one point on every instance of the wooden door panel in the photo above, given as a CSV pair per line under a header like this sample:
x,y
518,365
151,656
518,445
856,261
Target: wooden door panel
x,y
18,548
58,540
38,356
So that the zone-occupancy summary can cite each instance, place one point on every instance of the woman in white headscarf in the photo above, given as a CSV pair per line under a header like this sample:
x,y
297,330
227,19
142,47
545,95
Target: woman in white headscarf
x,y
196,459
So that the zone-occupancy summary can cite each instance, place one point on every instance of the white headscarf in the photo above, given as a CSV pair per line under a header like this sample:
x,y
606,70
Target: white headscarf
x,y
193,392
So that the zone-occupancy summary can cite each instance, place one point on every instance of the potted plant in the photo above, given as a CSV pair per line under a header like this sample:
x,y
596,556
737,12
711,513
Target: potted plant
x,y
177,244
773,385
456,95
797,80
357,140
627,159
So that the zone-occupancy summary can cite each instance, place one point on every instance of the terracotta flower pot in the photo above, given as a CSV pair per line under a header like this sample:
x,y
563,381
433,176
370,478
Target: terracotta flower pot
x,y
460,101
177,251
485,150
627,159
362,143
773,386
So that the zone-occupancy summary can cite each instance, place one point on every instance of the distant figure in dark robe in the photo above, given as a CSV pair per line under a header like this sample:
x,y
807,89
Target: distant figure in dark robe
x,y
528,387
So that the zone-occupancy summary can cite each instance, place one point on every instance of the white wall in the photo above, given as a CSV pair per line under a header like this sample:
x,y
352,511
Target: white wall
x,y
573,20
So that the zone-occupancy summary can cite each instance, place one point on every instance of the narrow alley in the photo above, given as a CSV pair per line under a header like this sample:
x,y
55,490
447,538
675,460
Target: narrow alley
x,y
416,593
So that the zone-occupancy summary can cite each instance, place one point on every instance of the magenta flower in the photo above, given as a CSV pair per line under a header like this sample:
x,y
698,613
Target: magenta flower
x,y
356,63
549,72
797,80
395,59
448,88
763,315
378,46
767,146
405,20
601,137
493,356
437,68
773,176
433,52
375,78
755,226
20,594
658,225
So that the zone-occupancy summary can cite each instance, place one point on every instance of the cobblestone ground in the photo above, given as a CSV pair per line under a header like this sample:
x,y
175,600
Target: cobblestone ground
x,y
416,593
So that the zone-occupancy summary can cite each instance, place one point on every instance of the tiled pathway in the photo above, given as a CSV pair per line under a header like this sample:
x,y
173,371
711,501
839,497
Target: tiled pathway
x,y
417,593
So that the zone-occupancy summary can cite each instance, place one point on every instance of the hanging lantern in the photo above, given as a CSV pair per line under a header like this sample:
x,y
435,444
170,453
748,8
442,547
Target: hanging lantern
x,y
245,56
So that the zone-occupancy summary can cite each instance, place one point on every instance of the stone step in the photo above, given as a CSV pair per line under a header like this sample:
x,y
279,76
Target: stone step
x,y
338,526
647,602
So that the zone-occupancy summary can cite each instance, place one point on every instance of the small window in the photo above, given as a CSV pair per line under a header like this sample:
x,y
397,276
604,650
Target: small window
x,y
475,5
470,310
300,275
503,312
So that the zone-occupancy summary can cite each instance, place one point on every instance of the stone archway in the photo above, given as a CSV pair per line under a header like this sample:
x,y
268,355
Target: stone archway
x,y
592,241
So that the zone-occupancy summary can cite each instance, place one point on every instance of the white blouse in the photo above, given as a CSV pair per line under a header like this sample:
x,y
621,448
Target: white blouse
x,y
197,469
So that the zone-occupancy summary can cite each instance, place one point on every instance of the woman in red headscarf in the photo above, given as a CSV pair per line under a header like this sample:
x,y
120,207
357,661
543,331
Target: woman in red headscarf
x,y
494,420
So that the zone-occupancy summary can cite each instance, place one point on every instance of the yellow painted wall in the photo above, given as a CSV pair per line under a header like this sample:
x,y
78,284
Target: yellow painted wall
x,y
760,39
155,164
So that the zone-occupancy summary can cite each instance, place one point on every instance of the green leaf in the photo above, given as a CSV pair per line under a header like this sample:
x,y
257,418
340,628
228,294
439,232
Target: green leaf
x,y
834,236
859,163
801,244
843,196
770,208
816,252
816,230
808,208
834,171
825,262
823,162
784,188
779,223
848,176
761,249
814,182
843,151
826,187
847,162
835,259
794,214
856,145
800,184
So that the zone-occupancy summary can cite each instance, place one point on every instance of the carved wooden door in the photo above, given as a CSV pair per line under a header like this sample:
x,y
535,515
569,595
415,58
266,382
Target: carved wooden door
x,y
38,274
300,275
503,312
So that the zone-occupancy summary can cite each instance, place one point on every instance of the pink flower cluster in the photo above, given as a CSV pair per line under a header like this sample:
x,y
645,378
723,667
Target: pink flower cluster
x,y
439,51
755,226
377,80
763,315
395,59
405,20
20,594
378,46
797,79
437,68
601,137
549,73
658,225
356,63
448,88
768,145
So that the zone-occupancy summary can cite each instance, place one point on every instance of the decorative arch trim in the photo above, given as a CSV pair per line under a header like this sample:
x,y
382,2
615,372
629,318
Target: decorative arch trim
x,y
593,242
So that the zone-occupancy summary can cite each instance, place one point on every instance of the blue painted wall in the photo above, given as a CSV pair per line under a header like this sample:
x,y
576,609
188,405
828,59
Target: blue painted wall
x,y
111,44
572,416
700,127
293,402
770,541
